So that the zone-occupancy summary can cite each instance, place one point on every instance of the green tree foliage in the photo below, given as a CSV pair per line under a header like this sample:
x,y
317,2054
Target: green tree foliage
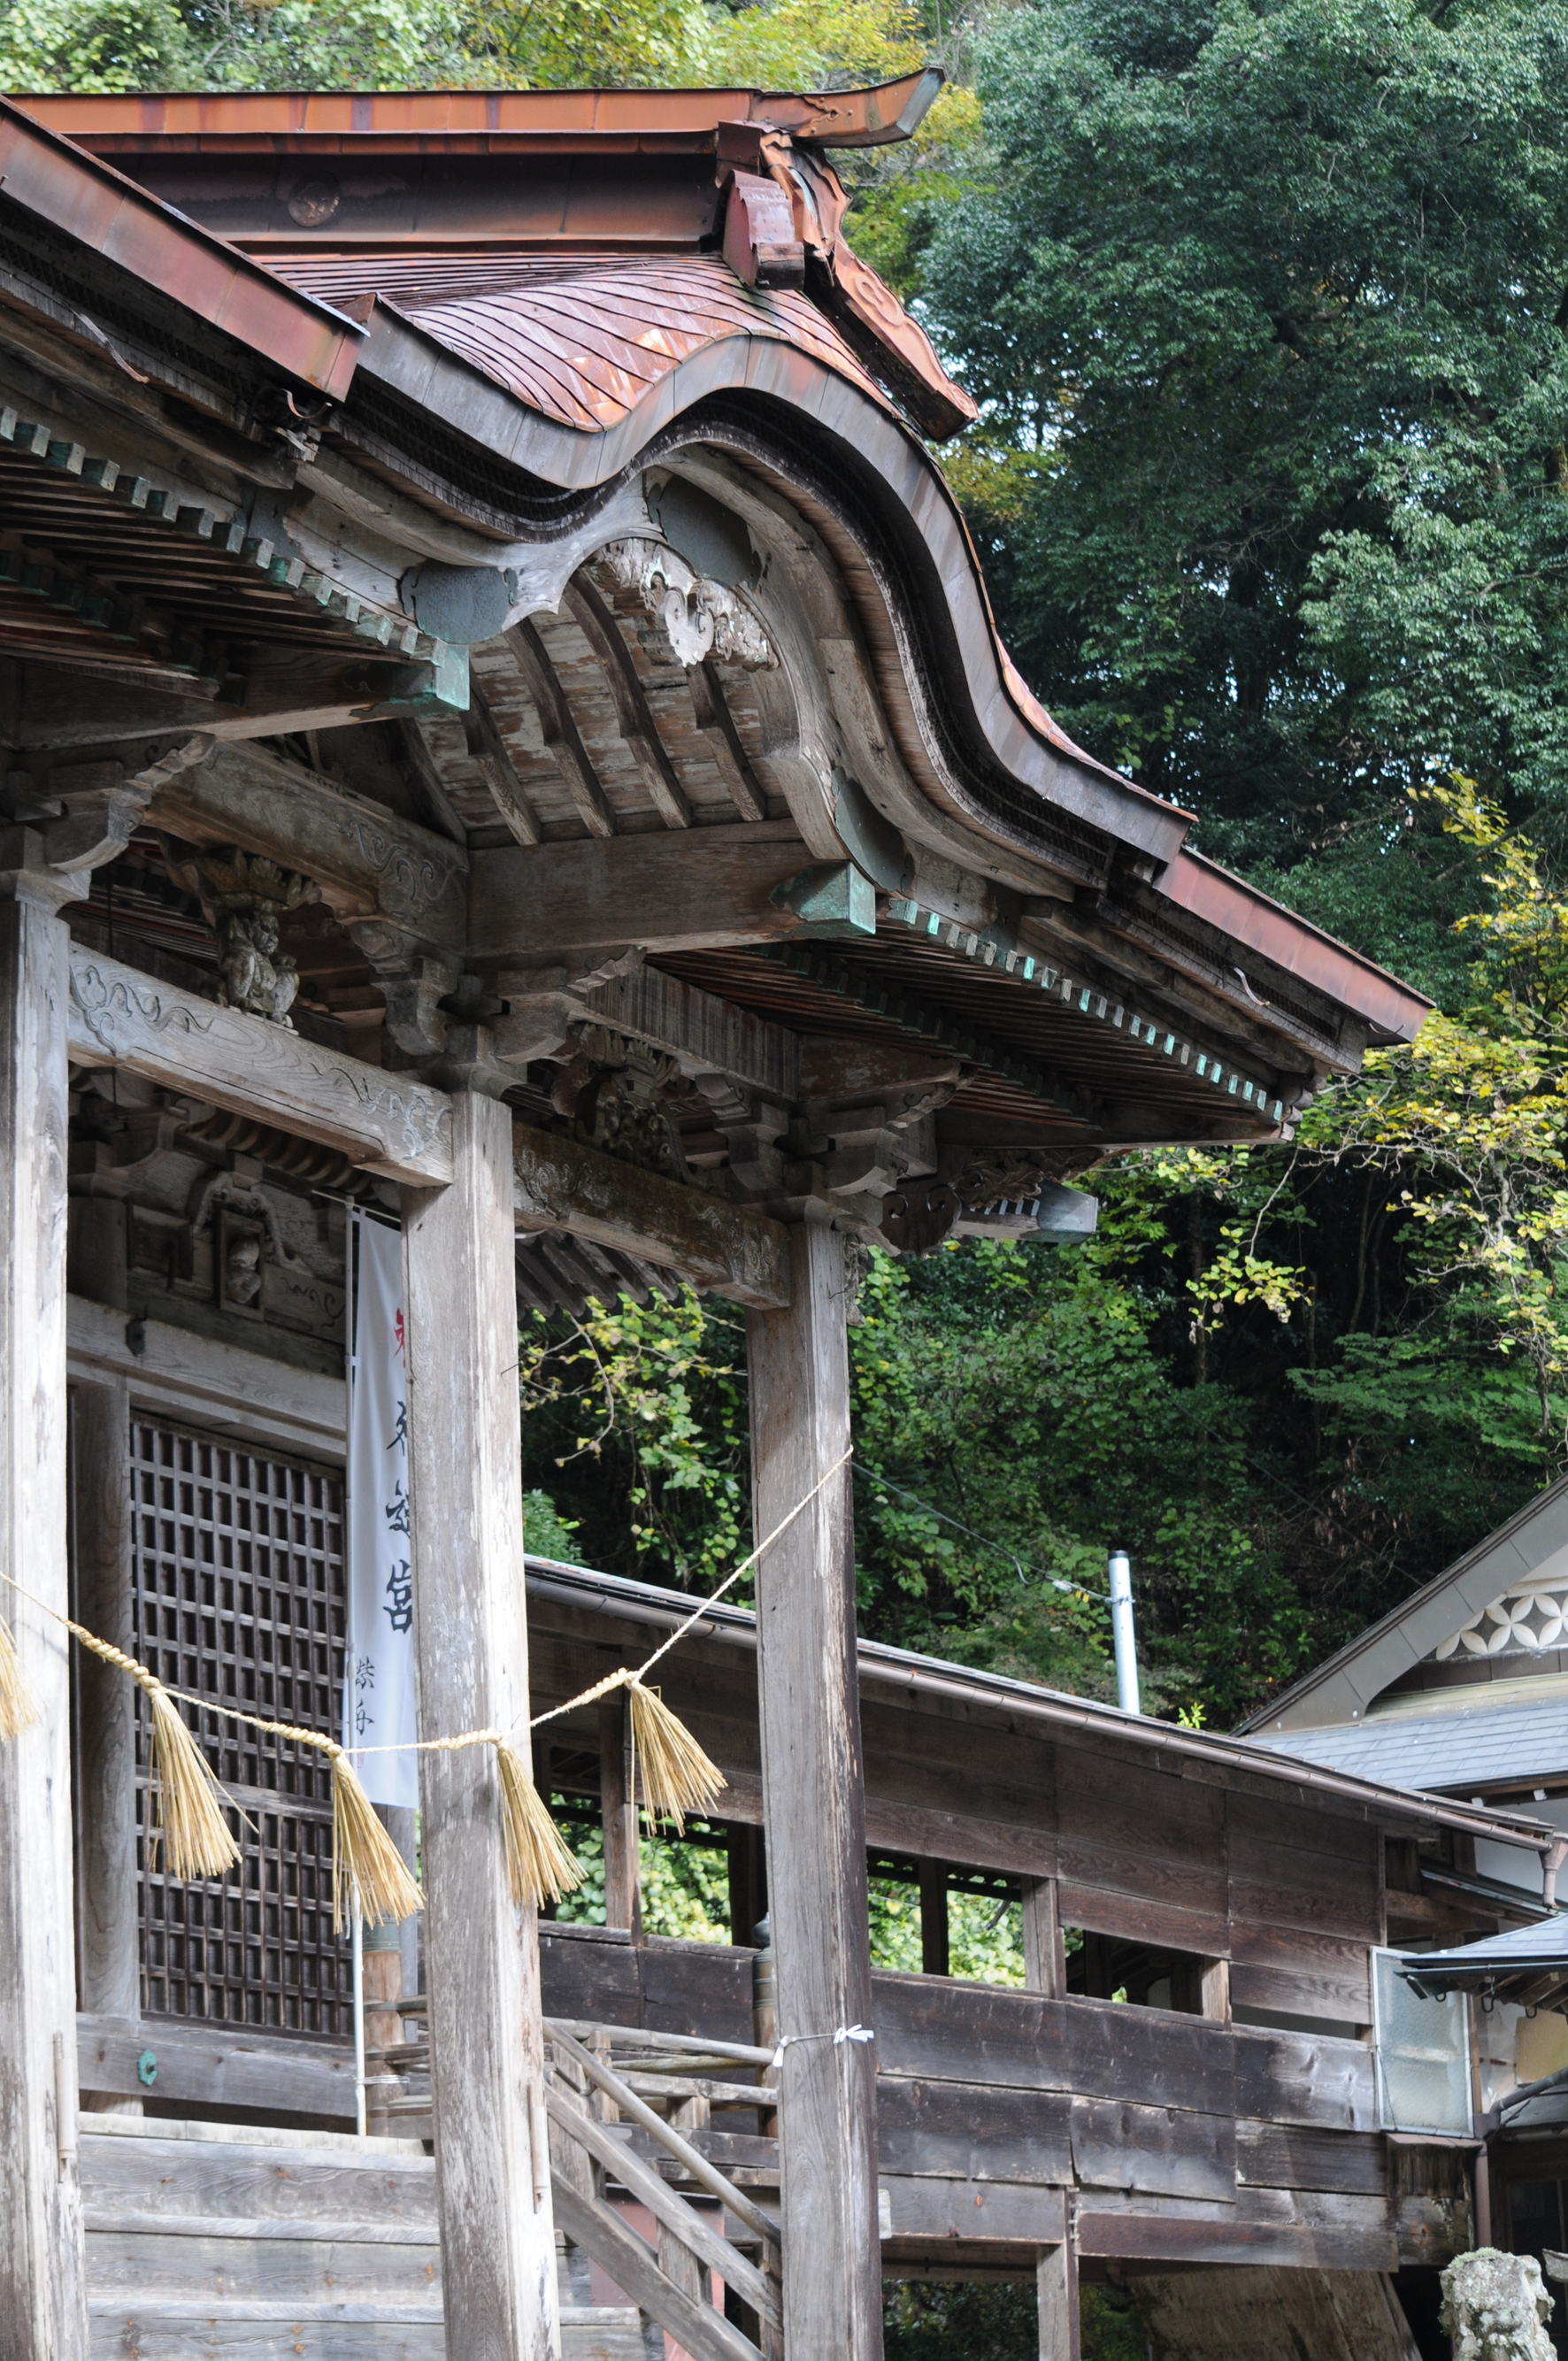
x,y
1273,298
124,45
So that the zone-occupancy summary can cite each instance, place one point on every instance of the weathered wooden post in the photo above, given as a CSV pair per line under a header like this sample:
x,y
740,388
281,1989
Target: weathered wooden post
x,y
813,1794
618,1808
498,2239
1056,2282
108,1969
43,2313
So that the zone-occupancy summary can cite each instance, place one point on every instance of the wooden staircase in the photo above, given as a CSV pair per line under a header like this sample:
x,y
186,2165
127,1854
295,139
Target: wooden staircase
x,y
217,2243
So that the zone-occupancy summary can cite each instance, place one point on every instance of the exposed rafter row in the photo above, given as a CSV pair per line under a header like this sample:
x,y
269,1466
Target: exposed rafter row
x,y
824,966
81,504
1087,1000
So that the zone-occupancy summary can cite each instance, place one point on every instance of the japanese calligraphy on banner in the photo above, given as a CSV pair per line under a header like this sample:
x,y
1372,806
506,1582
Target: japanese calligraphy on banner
x,y
378,1692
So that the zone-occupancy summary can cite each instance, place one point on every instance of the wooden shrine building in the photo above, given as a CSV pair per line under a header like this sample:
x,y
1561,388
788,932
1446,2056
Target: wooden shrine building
x,y
503,726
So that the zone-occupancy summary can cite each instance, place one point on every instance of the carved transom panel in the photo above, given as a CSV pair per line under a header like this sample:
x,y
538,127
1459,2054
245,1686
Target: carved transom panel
x,y
239,1593
1524,1622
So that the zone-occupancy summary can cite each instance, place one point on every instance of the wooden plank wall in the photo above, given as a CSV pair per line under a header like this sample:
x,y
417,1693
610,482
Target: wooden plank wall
x,y
1149,1846
1185,2140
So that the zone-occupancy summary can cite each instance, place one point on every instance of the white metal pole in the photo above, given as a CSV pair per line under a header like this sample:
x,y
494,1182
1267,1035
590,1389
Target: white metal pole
x,y
1122,1632
358,2022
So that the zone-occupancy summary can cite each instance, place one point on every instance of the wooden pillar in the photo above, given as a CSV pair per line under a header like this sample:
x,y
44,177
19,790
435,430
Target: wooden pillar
x,y
933,1951
1056,2281
498,2237
813,1790
43,2313
618,1808
1044,1960
108,1968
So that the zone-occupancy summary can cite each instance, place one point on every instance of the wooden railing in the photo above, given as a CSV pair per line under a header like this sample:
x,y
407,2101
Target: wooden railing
x,y
630,2119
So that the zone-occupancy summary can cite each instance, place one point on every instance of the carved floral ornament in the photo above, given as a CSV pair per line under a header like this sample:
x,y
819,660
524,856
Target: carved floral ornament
x,y
1525,1620
700,618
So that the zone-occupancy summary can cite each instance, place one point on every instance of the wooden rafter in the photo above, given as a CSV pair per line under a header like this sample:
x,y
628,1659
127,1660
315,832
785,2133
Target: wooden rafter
x,y
717,723
562,739
488,749
633,714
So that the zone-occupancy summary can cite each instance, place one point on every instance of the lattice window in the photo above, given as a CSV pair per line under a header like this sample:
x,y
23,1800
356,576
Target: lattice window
x,y
240,1594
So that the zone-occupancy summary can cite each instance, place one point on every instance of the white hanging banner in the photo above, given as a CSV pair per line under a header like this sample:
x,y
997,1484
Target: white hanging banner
x,y
378,1693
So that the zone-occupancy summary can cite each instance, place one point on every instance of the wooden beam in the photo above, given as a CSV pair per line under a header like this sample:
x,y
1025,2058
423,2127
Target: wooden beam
x,y
631,2264
426,773
1044,1960
1056,2282
219,2066
617,1806
43,2310
563,740
498,2236
715,1244
489,750
813,1797
717,723
387,1122
698,890
108,1980
403,1128
633,714
368,861
288,688
705,1033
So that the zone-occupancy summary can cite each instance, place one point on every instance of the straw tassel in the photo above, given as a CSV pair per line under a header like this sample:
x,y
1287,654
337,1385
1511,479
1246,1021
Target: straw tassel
x,y
677,1776
538,1862
196,1838
366,1864
18,1706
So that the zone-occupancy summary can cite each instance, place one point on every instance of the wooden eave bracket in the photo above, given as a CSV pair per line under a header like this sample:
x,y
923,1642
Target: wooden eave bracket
x,y
401,1129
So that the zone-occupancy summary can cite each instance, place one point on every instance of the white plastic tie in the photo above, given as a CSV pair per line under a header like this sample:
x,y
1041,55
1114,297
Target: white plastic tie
x,y
838,2037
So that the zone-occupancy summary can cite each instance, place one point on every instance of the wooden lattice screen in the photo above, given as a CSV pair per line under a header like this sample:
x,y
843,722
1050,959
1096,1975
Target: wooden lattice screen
x,y
240,1594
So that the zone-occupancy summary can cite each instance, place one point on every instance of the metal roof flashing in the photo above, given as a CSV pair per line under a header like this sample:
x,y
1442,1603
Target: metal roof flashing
x,y
79,195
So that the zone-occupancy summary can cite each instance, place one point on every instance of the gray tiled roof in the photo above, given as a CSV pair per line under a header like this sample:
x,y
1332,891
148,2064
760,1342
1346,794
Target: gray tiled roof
x,y
1462,1751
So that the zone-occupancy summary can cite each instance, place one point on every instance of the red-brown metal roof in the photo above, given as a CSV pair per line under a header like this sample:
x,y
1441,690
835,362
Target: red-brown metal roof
x,y
1250,919
582,342
93,202
283,121
587,348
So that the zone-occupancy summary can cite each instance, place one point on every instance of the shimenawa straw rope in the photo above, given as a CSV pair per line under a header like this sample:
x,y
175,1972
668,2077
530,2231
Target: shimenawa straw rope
x,y
18,1706
197,1839
678,1775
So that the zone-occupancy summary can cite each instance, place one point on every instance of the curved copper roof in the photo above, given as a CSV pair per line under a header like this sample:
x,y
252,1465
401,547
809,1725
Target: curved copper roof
x,y
584,347
535,369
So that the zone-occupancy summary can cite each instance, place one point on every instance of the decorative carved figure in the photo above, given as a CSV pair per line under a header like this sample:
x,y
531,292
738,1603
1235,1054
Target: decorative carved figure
x,y
612,1094
1495,2308
244,897
241,1246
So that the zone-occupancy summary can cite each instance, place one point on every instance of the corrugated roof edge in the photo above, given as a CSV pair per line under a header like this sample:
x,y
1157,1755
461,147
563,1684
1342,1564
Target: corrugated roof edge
x,y
1500,1537
876,1658
77,192
876,115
